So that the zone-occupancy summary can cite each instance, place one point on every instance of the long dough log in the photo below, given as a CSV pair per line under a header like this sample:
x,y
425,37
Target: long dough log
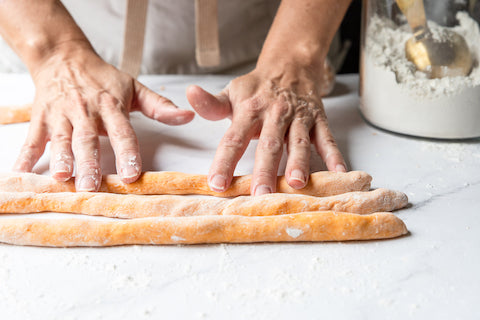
x,y
320,184
141,206
15,114
311,226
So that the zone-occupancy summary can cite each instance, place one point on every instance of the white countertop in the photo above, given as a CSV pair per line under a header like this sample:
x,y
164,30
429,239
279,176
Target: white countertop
x,y
433,273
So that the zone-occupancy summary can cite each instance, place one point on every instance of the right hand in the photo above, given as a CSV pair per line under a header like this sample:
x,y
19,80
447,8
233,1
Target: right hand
x,y
78,97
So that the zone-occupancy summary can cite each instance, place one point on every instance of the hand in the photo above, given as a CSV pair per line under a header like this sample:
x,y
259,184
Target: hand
x,y
274,104
78,97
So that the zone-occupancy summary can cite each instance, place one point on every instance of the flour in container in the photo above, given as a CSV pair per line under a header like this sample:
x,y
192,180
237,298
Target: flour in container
x,y
397,97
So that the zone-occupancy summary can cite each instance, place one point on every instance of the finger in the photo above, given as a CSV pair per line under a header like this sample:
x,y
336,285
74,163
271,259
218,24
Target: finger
x,y
207,105
85,146
327,147
159,108
268,154
229,151
61,156
125,145
298,147
33,147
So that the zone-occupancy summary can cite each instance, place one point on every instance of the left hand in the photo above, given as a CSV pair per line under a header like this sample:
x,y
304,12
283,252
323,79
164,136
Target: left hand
x,y
274,104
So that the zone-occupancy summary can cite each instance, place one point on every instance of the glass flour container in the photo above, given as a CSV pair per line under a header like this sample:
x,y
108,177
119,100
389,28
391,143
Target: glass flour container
x,y
395,94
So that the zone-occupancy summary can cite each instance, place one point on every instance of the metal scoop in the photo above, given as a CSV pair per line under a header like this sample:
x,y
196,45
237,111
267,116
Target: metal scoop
x,y
439,56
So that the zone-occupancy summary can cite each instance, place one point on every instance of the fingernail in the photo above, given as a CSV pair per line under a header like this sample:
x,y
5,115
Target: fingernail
x,y
262,189
87,183
61,167
297,175
340,168
218,183
129,172
130,168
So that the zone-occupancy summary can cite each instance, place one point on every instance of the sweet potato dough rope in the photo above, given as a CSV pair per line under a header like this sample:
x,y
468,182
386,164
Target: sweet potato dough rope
x,y
137,214
320,184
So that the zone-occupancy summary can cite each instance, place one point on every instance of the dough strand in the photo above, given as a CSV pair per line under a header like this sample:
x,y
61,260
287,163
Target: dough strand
x,y
320,184
308,226
15,114
332,207
141,206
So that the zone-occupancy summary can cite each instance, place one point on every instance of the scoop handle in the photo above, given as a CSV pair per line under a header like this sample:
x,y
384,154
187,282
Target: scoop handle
x,y
414,11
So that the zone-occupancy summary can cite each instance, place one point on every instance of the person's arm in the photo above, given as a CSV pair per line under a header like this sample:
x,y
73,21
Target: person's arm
x,y
78,96
279,100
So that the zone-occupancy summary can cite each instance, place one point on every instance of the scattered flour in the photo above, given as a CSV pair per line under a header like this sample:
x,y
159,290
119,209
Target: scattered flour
x,y
454,152
177,238
293,232
397,97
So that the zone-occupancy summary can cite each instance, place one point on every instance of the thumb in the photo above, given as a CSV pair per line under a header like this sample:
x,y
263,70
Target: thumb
x,y
158,107
207,105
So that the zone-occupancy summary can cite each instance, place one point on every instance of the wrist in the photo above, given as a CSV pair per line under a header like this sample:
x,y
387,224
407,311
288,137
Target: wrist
x,y
42,56
307,60
303,55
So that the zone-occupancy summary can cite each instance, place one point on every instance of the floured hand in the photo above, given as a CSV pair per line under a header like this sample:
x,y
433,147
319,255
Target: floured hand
x,y
79,97
274,104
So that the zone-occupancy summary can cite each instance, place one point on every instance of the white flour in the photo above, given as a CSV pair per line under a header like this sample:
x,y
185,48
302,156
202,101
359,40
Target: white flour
x,y
397,97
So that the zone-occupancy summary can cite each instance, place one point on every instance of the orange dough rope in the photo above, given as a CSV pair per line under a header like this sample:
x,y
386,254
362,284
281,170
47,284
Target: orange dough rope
x,y
15,114
141,206
323,183
307,226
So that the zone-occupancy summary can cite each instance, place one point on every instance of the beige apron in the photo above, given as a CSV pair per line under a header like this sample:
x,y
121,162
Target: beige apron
x,y
173,41
207,47
169,43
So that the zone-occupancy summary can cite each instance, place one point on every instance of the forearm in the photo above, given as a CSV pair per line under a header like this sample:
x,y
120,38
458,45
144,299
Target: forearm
x,y
37,29
302,31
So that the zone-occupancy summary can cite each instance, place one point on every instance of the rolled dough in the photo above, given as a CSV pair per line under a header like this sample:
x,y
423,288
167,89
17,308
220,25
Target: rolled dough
x,y
307,226
323,183
140,206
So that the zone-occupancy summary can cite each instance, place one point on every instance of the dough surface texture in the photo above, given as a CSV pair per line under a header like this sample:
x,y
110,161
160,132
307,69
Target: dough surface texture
x,y
157,210
320,184
141,206
307,226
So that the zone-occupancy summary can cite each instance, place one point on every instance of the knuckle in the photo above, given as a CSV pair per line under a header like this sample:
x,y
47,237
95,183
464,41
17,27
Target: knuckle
x,y
40,111
161,101
283,110
85,139
232,140
122,132
306,120
30,148
270,144
83,136
330,141
88,166
301,142
60,138
305,116
253,105
110,103
321,118
265,174
333,154
302,112
78,100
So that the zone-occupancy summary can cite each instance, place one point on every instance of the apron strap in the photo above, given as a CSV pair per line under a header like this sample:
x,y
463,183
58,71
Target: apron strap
x,y
207,44
133,37
207,49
